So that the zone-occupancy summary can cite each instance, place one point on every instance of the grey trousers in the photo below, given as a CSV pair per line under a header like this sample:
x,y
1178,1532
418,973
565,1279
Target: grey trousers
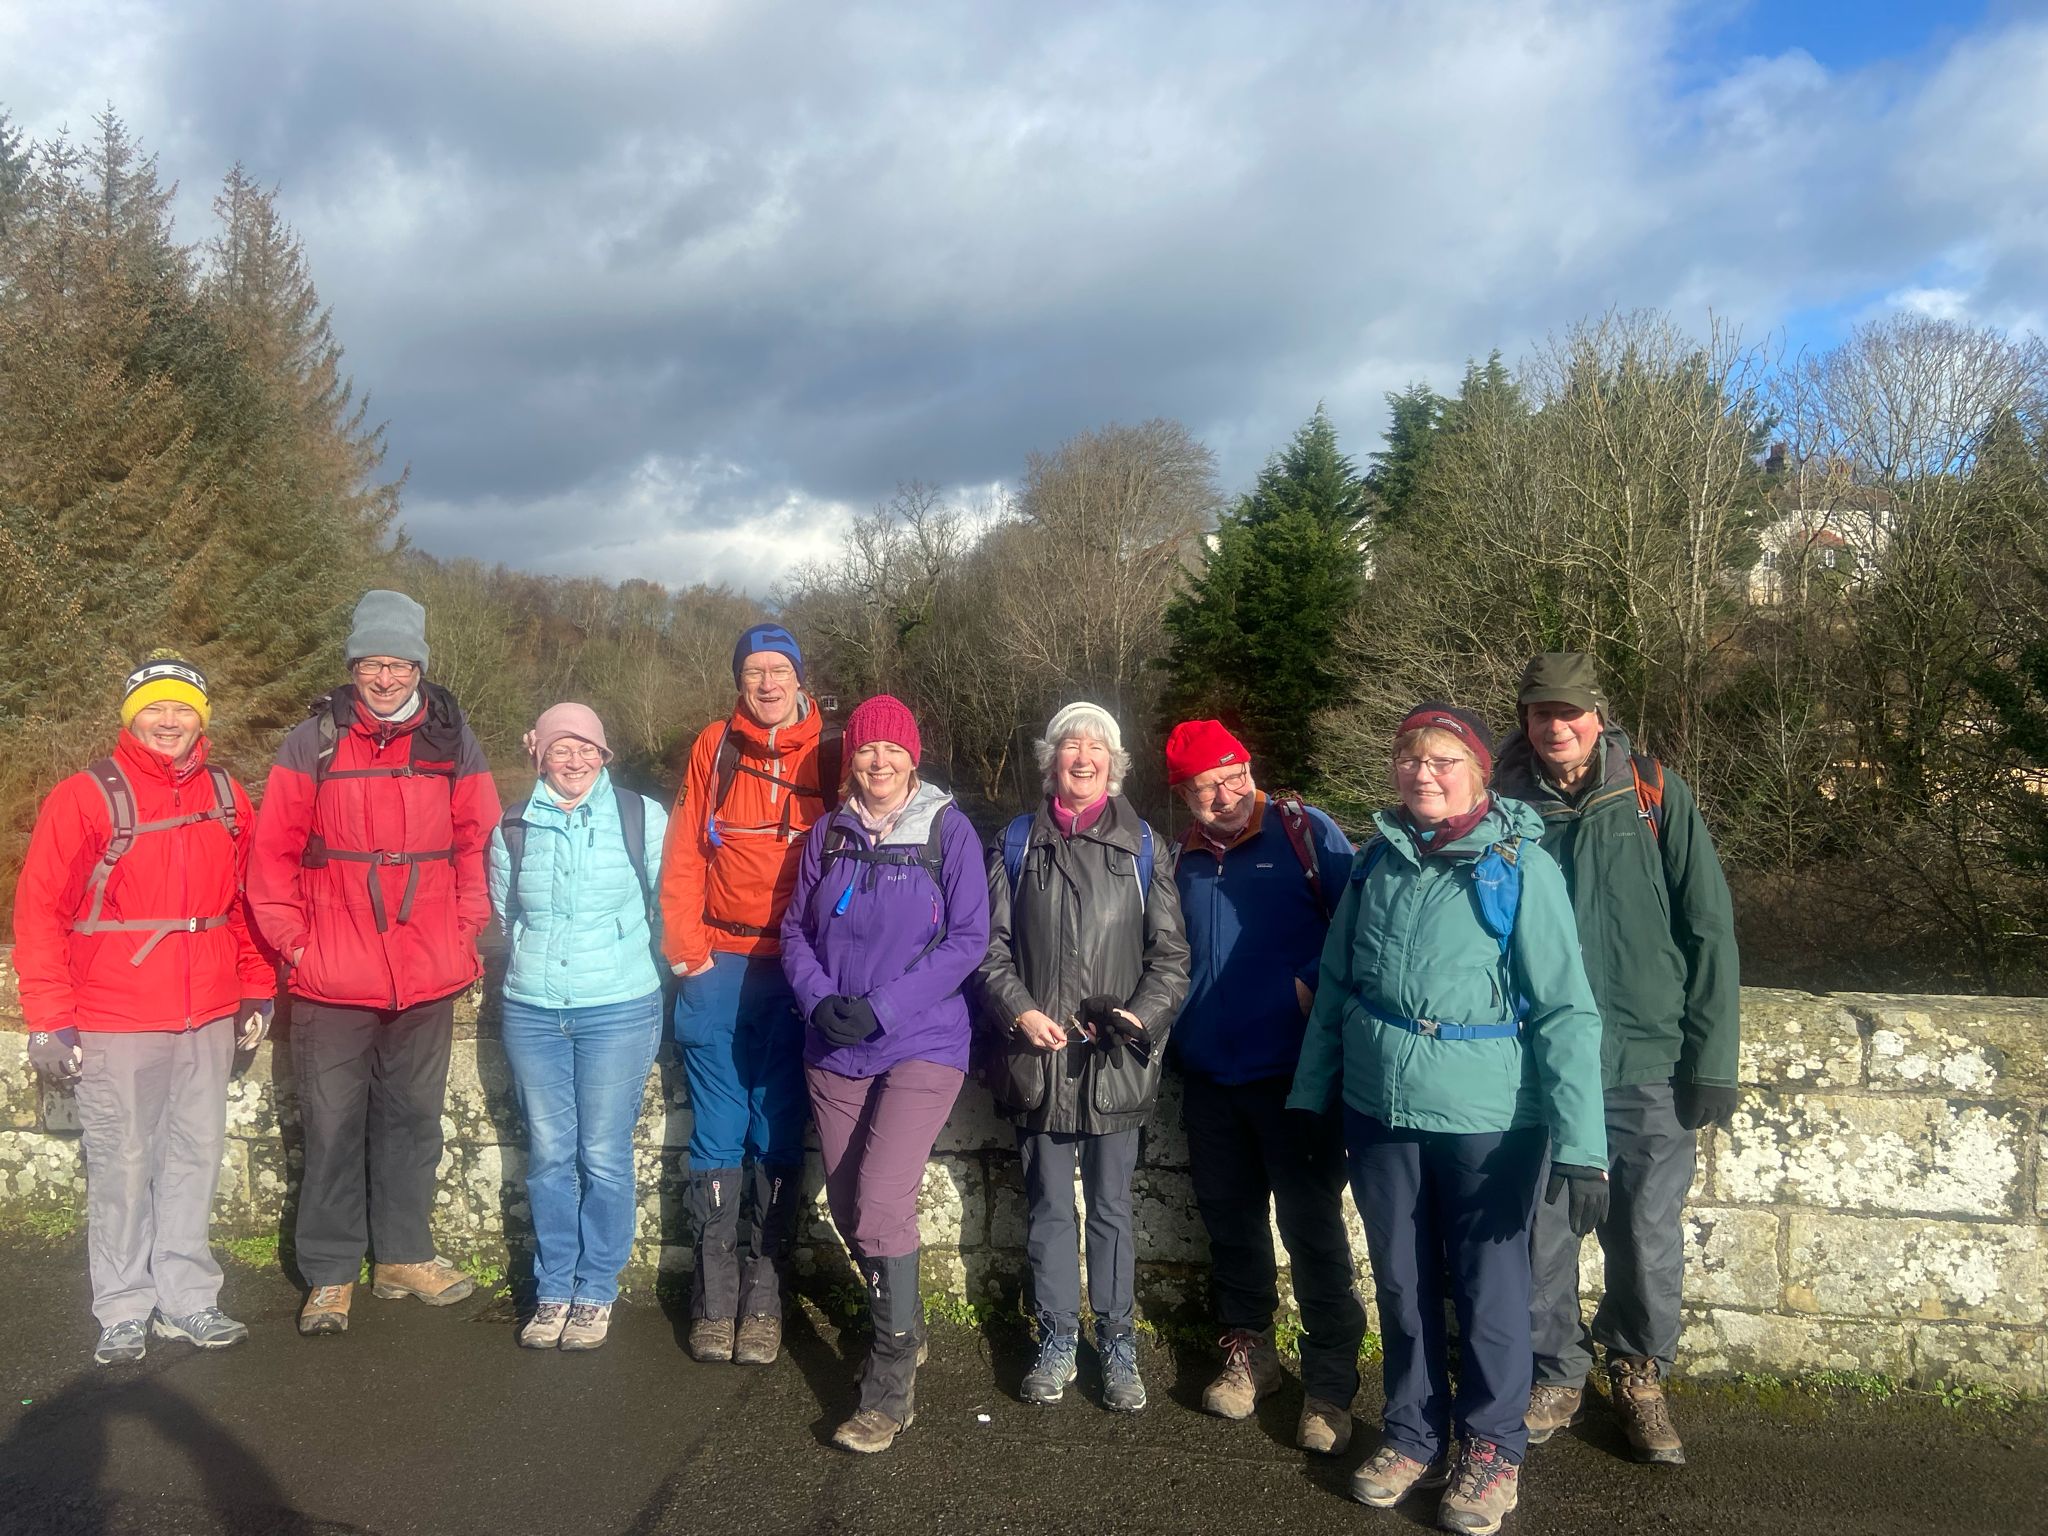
x,y
152,1113
1650,1159
1052,1243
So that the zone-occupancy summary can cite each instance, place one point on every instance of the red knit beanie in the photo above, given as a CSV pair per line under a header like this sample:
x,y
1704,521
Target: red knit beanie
x,y
882,718
1196,746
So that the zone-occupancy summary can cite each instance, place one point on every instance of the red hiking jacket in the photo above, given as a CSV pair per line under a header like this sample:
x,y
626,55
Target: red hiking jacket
x,y
378,873
88,981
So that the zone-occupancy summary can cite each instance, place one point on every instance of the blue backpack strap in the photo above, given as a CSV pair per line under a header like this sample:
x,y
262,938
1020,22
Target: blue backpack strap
x,y
1016,841
1147,862
1375,848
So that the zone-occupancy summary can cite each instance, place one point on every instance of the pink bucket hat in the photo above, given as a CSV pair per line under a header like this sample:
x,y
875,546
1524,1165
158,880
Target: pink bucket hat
x,y
561,721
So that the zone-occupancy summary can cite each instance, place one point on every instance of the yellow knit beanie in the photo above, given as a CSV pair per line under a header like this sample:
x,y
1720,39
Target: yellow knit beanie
x,y
164,675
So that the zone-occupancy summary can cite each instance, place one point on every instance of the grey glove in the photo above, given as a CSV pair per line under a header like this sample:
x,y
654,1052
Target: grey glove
x,y
56,1055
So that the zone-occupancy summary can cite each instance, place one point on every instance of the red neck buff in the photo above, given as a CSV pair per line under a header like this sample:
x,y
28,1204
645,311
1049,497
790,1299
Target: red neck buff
x,y
1436,839
1070,822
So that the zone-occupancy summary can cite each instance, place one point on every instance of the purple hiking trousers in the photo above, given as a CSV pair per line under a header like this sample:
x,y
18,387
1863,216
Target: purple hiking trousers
x,y
876,1134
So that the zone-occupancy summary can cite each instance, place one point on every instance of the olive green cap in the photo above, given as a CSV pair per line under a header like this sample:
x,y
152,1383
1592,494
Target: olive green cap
x,y
1561,677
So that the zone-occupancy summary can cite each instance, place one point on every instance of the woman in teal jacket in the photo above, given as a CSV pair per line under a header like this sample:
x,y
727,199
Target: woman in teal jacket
x,y
571,873
1454,1010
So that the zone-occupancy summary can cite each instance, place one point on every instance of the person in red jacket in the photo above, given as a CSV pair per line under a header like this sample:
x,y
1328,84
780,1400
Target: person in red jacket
x,y
368,877
137,970
755,783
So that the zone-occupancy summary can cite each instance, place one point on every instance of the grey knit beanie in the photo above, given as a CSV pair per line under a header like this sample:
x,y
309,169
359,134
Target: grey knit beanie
x,y
388,624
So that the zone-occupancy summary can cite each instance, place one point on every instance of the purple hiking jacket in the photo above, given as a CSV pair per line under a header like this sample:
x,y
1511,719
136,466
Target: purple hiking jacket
x,y
868,948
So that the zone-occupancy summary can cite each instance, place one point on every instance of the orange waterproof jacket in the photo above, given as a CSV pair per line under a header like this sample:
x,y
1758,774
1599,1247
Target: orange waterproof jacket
x,y
727,870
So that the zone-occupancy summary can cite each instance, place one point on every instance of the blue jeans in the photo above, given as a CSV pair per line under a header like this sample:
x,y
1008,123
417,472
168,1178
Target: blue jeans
x,y
742,1043
580,1073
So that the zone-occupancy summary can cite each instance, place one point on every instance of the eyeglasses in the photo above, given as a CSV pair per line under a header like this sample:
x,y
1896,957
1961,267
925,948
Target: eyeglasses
x,y
1232,784
754,676
581,752
1438,766
386,668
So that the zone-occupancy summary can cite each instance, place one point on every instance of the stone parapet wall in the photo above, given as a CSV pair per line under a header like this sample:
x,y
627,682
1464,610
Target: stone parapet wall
x,y
1879,1205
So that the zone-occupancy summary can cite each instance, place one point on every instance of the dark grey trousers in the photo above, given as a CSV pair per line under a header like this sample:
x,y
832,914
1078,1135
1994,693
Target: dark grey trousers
x,y
1650,1159
1052,1243
1248,1171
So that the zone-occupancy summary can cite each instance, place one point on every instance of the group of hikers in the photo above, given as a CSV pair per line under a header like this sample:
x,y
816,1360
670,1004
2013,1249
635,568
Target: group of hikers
x,y
1501,1020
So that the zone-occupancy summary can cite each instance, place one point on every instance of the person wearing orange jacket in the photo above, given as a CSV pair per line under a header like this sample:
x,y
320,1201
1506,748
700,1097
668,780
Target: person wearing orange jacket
x,y
367,875
755,783
138,975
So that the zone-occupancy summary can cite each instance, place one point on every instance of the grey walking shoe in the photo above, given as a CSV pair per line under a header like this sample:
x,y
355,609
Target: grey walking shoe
x,y
544,1329
1123,1390
588,1324
1046,1381
208,1328
123,1343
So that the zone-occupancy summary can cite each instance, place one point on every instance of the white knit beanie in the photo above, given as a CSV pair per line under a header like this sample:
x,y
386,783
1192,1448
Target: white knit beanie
x,y
1084,719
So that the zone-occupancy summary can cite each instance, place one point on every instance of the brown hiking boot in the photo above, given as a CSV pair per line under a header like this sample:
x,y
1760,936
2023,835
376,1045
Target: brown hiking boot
x,y
758,1341
710,1338
1485,1487
869,1431
1388,1477
1551,1409
1251,1370
1639,1401
435,1281
326,1310
1325,1427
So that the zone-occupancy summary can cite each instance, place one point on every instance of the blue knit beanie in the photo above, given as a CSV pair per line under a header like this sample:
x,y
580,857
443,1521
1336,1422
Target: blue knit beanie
x,y
766,637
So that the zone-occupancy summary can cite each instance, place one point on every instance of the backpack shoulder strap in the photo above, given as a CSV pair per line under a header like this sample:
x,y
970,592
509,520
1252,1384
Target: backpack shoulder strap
x,y
832,764
1374,850
1016,842
119,797
1649,776
1147,862
224,799
1294,821
633,829
512,827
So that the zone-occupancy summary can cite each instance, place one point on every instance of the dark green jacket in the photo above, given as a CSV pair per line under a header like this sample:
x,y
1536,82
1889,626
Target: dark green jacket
x,y
1656,925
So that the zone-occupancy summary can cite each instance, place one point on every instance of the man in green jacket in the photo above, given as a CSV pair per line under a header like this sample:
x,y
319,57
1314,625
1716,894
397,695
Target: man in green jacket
x,y
1657,931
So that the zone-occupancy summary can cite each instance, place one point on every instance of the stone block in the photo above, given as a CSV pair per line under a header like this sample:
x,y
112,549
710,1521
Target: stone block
x,y
41,1170
1796,1040
1877,1154
952,1207
1974,1047
1731,1258
1718,1341
1169,1229
974,1125
481,1102
1858,1266
20,1088
1007,1210
2010,1359
253,1096
1166,1138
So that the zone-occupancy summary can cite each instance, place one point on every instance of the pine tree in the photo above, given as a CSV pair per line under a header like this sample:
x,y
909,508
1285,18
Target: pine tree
x,y
1252,636
1417,414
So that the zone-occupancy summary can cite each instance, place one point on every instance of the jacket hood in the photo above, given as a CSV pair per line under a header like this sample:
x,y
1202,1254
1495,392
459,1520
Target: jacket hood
x,y
140,761
927,801
1505,818
541,805
760,741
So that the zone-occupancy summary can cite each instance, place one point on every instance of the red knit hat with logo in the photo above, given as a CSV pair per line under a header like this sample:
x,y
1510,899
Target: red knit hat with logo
x,y
1196,746
883,718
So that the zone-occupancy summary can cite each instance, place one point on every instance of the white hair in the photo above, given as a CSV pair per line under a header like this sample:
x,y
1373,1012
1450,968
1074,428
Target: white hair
x,y
1090,721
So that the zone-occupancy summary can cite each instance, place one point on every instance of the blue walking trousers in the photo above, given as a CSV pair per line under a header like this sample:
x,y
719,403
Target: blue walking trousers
x,y
742,1044
1448,1214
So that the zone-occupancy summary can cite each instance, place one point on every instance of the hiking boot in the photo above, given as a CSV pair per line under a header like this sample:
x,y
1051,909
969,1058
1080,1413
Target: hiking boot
x,y
208,1328
1123,1389
543,1330
123,1343
326,1309
710,1338
589,1322
1046,1381
1324,1427
1485,1486
1388,1477
1551,1409
1251,1370
758,1341
435,1281
1639,1402
868,1431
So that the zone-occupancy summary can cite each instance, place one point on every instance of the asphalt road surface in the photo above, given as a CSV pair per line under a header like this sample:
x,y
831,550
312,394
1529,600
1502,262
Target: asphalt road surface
x,y
435,1422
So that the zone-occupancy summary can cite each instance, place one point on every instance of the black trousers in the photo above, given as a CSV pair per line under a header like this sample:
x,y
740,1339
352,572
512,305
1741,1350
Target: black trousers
x,y
371,1086
1246,1165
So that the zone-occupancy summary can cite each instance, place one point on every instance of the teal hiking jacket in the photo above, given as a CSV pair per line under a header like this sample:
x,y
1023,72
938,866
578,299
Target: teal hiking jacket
x,y
1408,940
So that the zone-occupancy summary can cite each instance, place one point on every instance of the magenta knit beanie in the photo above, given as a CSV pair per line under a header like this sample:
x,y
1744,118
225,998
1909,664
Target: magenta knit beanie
x,y
883,718
563,720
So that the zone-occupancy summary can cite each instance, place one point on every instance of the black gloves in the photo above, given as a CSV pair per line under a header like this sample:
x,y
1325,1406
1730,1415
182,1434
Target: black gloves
x,y
1587,1207
1103,1016
845,1020
55,1055
1702,1104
